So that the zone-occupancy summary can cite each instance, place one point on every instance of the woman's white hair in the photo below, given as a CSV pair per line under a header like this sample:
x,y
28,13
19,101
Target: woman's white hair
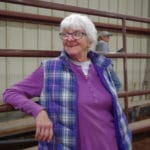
x,y
80,22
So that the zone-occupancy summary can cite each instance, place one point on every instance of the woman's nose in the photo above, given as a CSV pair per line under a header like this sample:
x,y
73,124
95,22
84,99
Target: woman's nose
x,y
70,38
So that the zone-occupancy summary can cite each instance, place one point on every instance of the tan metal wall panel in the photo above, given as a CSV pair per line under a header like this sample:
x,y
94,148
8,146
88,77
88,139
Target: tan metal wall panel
x,y
29,36
104,6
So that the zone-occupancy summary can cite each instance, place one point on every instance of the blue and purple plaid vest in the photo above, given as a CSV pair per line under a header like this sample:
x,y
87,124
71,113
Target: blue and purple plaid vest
x,y
59,98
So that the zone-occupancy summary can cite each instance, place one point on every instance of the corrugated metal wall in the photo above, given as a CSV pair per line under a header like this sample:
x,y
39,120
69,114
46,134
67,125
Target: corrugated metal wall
x,y
42,37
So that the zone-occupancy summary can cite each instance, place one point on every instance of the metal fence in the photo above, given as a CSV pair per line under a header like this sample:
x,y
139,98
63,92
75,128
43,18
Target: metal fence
x,y
54,21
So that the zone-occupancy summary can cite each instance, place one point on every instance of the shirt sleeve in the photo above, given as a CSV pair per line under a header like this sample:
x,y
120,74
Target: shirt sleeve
x,y
101,46
20,94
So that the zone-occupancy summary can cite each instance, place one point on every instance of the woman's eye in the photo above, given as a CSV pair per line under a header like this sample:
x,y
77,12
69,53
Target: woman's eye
x,y
77,34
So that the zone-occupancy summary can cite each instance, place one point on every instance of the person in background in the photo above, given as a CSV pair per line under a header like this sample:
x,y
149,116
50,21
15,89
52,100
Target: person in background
x,y
103,40
102,46
79,107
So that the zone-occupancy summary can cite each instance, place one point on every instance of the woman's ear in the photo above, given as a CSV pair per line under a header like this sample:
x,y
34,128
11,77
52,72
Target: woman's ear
x,y
89,44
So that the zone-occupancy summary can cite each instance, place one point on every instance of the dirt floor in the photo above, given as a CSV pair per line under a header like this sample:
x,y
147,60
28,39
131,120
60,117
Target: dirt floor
x,y
143,144
141,141
31,148
138,145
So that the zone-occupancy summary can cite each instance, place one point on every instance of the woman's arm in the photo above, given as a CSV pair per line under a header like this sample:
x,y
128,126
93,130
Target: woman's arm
x,y
19,96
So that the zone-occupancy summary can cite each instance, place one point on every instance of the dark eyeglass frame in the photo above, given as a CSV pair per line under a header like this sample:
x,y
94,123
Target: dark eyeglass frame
x,y
75,35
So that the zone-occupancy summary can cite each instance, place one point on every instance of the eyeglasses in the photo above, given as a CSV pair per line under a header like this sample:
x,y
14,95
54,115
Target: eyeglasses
x,y
74,35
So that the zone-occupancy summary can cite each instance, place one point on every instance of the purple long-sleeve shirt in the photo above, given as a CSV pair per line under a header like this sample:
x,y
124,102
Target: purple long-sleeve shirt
x,y
19,94
95,119
96,122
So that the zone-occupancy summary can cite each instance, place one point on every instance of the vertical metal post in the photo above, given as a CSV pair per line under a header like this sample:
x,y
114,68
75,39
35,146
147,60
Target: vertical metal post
x,y
125,65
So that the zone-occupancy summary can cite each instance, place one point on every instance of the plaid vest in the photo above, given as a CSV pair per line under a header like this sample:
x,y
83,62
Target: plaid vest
x,y
59,96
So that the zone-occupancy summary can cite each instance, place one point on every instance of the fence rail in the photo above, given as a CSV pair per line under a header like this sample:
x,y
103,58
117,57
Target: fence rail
x,y
50,20
54,21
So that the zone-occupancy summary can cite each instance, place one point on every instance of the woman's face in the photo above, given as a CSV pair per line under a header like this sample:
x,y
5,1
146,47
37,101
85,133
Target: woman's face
x,y
75,43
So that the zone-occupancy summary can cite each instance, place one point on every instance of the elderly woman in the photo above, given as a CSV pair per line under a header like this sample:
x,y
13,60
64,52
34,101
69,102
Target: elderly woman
x,y
78,107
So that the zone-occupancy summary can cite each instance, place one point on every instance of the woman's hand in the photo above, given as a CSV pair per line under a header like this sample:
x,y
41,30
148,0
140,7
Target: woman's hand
x,y
44,127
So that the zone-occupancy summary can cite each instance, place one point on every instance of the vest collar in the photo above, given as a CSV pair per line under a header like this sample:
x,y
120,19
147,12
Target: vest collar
x,y
100,60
